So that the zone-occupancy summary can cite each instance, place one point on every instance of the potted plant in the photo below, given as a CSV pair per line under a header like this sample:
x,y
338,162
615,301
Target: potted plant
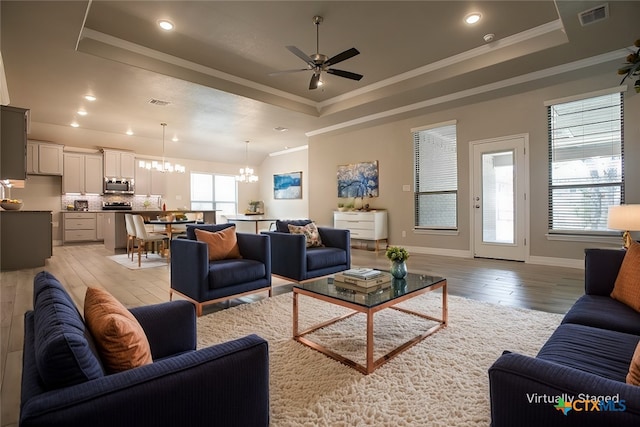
x,y
398,257
632,67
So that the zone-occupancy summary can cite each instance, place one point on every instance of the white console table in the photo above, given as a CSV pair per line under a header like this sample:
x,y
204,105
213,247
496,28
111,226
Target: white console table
x,y
364,225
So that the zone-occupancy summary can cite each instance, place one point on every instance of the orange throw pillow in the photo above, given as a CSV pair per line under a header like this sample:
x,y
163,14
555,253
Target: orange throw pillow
x,y
627,286
119,338
633,377
222,244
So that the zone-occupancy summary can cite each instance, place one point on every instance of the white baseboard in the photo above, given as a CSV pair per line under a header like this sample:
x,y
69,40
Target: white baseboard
x,y
557,262
437,251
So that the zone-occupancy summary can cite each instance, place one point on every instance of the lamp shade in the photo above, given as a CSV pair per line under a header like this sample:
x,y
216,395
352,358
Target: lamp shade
x,y
624,217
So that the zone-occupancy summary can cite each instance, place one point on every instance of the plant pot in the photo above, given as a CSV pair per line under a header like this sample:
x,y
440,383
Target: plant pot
x,y
398,269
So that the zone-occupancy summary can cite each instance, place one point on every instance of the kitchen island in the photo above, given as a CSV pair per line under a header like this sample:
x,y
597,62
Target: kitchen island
x,y
26,239
115,229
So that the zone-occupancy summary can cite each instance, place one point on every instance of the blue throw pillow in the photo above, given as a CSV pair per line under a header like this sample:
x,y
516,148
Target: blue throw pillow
x,y
63,347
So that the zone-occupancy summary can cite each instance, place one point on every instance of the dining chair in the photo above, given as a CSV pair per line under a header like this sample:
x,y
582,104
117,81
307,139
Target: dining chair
x,y
143,237
131,234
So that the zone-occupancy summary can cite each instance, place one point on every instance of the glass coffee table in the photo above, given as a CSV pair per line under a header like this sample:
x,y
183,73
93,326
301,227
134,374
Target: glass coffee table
x,y
400,290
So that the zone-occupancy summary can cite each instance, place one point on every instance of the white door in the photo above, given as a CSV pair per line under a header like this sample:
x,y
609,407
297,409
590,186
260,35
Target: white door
x,y
499,200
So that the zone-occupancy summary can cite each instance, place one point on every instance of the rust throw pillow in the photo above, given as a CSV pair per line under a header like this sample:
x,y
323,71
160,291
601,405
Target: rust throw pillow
x,y
633,377
310,232
119,338
222,244
627,286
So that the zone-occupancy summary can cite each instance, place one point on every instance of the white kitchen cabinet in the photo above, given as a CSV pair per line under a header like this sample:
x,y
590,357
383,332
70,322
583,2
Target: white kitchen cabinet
x,y
82,173
371,225
119,164
79,227
44,158
99,226
150,182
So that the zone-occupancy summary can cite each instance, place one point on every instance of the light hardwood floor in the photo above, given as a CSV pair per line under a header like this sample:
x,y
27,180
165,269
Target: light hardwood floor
x,y
536,287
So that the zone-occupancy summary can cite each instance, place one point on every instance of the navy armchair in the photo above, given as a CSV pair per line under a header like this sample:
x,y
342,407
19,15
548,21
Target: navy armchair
x,y
205,282
291,259
64,385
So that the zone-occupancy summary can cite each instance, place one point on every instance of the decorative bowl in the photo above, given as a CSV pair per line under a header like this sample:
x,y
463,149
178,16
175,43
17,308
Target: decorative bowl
x,y
11,206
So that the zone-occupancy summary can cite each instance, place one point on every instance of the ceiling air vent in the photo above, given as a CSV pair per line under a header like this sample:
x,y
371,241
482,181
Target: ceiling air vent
x,y
594,15
159,102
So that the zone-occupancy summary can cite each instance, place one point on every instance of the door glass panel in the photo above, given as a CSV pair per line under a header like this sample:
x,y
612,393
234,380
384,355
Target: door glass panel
x,y
498,225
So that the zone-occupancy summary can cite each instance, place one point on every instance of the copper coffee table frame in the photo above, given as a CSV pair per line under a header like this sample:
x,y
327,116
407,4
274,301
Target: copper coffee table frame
x,y
372,365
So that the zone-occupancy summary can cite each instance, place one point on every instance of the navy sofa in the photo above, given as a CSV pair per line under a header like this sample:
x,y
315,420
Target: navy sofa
x,y
292,260
64,384
204,282
586,358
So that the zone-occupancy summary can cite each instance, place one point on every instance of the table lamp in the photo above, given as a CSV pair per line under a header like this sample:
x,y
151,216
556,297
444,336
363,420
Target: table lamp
x,y
625,218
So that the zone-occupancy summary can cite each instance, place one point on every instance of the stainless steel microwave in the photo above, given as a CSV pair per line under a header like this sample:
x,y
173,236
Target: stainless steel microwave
x,y
118,186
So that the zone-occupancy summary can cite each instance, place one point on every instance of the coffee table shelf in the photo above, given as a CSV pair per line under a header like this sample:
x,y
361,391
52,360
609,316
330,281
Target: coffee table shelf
x,y
401,290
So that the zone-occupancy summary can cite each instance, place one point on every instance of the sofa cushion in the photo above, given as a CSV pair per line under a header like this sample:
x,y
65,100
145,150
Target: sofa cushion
x,y
633,377
230,272
283,225
604,312
121,340
63,346
191,229
318,258
627,286
222,244
597,351
310,233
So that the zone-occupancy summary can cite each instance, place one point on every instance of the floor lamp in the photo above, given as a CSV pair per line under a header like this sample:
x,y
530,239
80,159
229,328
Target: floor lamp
x,y
625,218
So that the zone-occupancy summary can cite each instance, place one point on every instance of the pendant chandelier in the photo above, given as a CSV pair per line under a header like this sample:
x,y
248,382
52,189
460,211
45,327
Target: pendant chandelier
x,y
246,173
163,166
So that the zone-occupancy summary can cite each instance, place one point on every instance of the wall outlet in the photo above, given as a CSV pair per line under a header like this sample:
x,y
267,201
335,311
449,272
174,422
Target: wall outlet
x,y
406,187
178,197
404,233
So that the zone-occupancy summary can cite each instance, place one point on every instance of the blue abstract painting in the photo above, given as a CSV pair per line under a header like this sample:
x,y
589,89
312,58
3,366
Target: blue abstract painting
x,y
358,180
287,185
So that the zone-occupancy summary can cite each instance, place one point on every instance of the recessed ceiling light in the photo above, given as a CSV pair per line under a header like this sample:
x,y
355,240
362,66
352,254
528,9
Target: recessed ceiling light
x,y
129,132
82,112
75,125
90,98
165,24
472,18
175,139
280,129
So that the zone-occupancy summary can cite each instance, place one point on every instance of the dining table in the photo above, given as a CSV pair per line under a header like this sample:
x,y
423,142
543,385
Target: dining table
x,y
169,224
256,219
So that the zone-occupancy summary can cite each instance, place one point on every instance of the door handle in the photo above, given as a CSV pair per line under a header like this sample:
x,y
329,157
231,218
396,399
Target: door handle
x,y
477,206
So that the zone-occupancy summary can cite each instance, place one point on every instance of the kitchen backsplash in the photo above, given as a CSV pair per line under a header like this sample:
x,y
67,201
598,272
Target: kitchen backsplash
x,y
95,201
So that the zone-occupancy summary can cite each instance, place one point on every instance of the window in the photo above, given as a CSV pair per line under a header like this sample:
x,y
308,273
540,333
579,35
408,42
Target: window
x,y
210,191
436,177
586,163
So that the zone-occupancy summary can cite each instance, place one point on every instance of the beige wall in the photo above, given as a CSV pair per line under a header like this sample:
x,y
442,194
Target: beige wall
x,y
391,144
285,163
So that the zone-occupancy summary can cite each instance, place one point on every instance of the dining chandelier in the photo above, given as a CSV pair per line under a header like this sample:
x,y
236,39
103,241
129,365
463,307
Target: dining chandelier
x,y
163,166
246,173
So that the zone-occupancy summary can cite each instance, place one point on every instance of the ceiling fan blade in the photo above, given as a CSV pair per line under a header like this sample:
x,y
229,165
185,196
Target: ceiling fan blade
x,y
349,53
277,73
300,54
347,74
315,79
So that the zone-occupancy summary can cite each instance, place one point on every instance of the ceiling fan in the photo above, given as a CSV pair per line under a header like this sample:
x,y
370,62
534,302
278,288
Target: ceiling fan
x,y
319,63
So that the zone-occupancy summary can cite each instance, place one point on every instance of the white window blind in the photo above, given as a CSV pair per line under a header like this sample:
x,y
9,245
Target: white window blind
x,y
436,177
586,163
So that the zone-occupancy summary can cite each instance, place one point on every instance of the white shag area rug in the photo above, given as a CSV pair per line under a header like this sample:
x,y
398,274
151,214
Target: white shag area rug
x,y
149,261
442,381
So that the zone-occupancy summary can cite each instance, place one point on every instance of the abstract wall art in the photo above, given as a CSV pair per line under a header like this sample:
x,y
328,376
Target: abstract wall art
x,y
287,185
358,180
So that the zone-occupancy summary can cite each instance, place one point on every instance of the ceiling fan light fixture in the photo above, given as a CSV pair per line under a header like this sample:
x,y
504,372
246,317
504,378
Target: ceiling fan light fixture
x,y
473,18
